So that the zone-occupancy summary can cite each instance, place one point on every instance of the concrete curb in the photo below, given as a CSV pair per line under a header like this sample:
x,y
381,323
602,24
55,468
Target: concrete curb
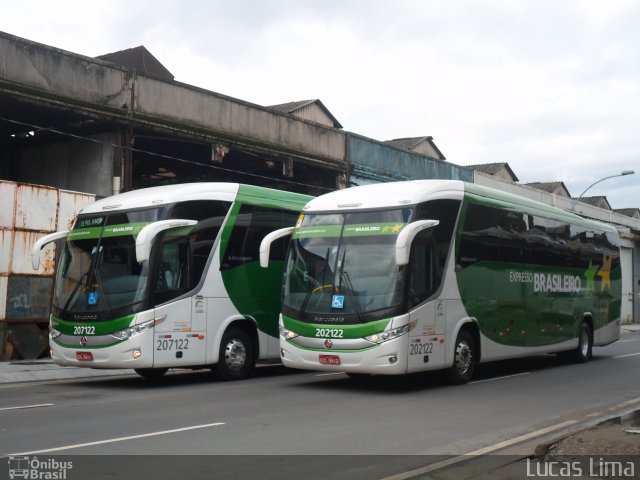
x,y
44,369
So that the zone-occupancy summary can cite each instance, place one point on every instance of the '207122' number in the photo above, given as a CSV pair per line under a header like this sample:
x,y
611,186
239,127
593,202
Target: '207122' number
x,y
172,344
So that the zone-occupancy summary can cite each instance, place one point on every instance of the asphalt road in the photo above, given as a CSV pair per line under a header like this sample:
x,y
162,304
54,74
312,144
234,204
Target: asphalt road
x,y
327,417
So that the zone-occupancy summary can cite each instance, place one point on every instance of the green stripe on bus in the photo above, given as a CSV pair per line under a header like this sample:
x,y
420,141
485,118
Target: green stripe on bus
x,y
349,331
356,230
101,328
109,231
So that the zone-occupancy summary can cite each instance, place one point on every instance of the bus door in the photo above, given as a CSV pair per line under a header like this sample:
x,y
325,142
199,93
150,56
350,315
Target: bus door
x,y
426,312
180,336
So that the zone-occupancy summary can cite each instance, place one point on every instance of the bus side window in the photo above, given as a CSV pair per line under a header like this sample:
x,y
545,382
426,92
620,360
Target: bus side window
x,y
252,224
210,215
173,270
479,241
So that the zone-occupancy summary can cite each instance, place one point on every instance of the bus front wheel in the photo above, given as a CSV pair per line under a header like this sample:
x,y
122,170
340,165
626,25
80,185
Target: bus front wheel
x,y
236,359
464,359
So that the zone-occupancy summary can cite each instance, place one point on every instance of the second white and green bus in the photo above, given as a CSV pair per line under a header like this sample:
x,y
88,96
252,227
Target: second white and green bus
x,y
168,277
404,277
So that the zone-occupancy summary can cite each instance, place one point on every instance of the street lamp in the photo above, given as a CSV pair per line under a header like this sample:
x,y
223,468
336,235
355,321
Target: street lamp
x,y
624,172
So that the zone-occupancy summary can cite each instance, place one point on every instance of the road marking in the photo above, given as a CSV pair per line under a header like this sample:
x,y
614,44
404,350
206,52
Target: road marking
x,y
628,355
119,439
501,378
24,407
328,374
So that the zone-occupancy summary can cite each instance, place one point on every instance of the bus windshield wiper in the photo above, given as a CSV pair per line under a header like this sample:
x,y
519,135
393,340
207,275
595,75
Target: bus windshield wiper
x,y
101,296
343,274
86,279
73,293
310,291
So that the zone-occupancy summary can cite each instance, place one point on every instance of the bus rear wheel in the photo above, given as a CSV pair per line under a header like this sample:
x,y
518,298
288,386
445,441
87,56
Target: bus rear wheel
x,y
464,359
151,373
584,350
236,360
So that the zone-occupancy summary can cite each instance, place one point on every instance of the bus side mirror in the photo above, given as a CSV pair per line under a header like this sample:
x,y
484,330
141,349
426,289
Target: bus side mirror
x,y
145,237
265,244
41,243
406,236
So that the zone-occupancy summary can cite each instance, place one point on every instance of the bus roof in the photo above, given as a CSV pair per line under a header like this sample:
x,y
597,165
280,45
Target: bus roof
x,y
411,192
167,194
391,194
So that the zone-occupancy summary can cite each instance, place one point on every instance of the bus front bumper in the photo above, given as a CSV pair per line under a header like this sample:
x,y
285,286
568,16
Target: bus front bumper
x,y
389,358
135,352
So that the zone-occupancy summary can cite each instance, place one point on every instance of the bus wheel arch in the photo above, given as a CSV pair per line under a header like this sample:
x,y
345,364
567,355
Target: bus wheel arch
x,y
466,354
238,351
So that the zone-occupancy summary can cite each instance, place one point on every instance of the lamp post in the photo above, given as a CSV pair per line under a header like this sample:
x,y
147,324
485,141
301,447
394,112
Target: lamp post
x,y
624,172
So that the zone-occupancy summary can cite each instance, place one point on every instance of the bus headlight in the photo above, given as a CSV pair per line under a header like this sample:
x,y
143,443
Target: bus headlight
x,y
387,334
133,330
287,334
53,333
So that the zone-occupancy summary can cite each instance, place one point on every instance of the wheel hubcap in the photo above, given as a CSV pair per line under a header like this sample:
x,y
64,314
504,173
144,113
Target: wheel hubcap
x,y
463,358
584,343
235,354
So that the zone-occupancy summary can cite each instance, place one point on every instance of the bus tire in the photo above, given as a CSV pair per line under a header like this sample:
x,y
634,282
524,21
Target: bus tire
x,y
584,351
465,358
236,360
152,374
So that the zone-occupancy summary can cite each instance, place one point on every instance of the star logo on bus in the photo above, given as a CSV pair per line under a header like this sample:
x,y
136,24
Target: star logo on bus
x,y
396,228
605,273
328,343
590,276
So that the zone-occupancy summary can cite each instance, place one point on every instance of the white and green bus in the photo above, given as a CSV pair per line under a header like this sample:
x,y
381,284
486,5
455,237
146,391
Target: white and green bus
x,y
169,277
403,277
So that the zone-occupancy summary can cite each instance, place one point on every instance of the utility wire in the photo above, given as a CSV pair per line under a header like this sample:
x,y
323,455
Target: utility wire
x,y
160,155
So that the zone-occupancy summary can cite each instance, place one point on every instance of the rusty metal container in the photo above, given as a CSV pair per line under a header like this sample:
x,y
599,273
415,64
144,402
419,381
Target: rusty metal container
x,y
28,212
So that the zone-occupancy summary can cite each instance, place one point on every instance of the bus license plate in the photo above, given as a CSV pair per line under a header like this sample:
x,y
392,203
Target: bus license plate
x,y
330,359
84,356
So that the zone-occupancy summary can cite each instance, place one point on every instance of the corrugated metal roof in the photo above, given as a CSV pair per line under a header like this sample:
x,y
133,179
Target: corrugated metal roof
x,y
292,107
551,187
493,168
139,58
598,201
411,143
629,212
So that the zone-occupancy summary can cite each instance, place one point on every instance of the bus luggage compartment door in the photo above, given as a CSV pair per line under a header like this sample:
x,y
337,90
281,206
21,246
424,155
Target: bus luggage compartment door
x,y
179,340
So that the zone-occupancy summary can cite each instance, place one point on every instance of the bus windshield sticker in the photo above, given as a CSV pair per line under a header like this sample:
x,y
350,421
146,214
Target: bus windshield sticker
x,y
92,298
355,230
337,301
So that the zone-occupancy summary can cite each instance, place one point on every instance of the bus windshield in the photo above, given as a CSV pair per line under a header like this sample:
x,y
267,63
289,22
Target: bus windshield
x,y
343,264
98,275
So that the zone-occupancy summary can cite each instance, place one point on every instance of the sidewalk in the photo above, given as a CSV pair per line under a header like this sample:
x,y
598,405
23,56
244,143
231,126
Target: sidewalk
x,y
44,369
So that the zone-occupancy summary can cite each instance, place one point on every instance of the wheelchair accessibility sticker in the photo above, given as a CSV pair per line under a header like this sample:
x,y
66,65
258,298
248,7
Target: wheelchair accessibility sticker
x,y
337,301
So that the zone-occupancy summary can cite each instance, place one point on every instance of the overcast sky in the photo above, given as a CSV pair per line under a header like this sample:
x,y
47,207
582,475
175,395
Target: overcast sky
x,y
550,86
